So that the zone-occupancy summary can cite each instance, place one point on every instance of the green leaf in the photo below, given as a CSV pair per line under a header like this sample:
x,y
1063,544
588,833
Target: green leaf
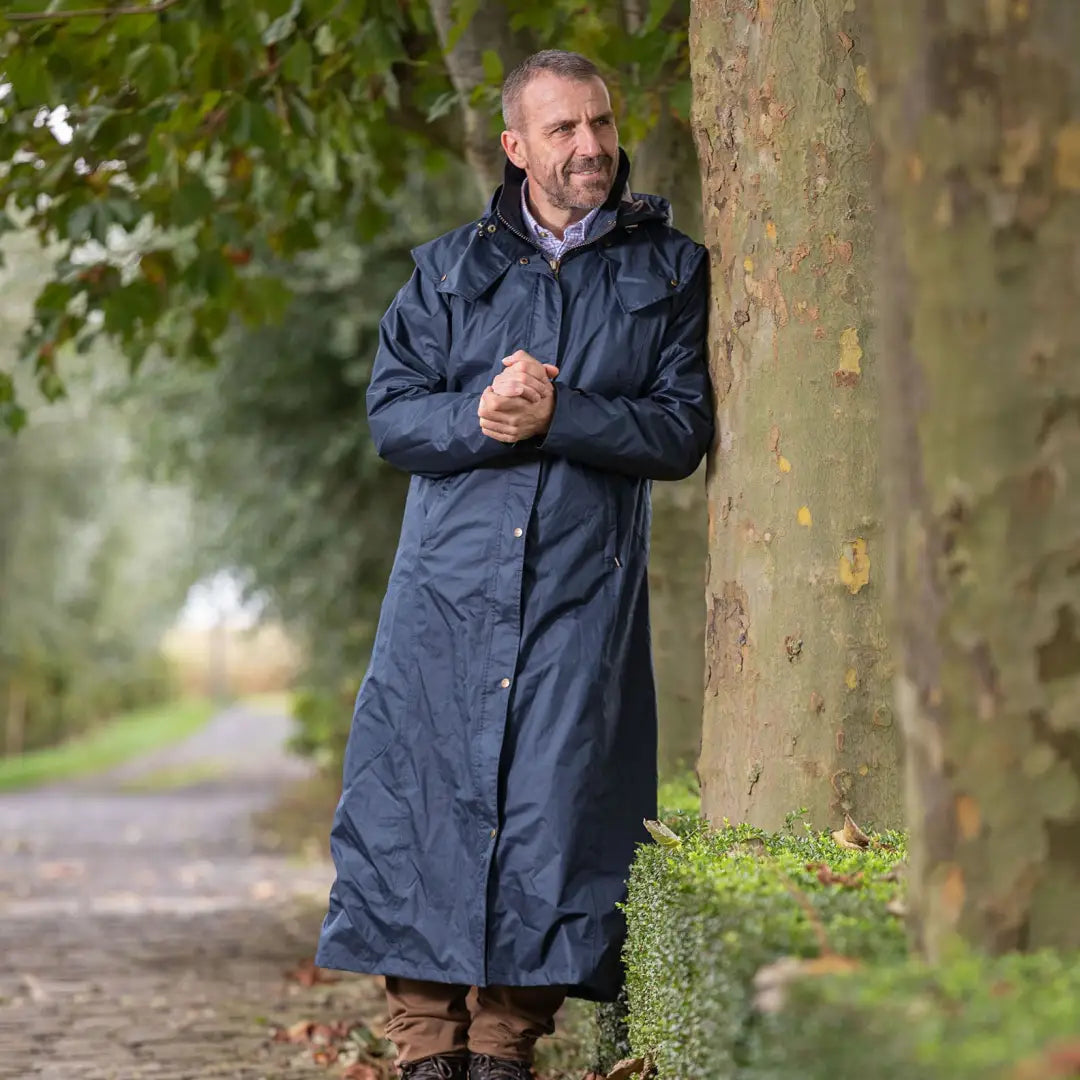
x,y
153,71
493,66
29,79
283,26
658,9
466,9
296,66
324,40
192,201
442,105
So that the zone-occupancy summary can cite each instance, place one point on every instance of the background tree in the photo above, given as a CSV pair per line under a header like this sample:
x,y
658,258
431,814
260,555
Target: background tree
x,y
798,692
94,562
980,314
215,145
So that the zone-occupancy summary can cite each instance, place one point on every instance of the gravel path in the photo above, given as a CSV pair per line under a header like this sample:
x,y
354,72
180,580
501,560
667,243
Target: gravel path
x,y
143,934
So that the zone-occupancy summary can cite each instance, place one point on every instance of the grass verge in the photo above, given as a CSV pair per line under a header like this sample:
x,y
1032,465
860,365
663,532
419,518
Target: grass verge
x,y
113,743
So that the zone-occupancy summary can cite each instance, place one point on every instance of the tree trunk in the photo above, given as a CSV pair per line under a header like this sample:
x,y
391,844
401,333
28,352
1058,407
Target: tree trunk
x,y
980,129
487,31
798,680
665,164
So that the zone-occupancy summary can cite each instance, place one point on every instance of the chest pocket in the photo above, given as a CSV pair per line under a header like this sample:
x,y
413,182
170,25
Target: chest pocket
x,y
483,325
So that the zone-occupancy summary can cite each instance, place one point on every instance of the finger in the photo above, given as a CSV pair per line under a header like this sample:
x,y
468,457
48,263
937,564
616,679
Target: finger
x,y
500,431
519,356
551,370
517,386
514,388
500,407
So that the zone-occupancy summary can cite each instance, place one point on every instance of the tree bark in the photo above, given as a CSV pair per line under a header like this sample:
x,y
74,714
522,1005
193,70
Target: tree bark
x,y
798,693
980,130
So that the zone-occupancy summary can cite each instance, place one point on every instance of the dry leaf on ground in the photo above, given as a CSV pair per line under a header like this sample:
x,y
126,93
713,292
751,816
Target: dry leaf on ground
x,y
307,974
828,876
851,836
626,1068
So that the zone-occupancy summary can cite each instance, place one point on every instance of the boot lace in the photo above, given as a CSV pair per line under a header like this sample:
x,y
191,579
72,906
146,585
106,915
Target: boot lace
x,y
493,1068
439,1067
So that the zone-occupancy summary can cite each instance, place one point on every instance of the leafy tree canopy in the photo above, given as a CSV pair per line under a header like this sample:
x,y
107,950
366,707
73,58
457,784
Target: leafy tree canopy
x,y
183,153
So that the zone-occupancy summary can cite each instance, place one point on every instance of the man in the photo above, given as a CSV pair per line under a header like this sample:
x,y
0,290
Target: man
x,y
540,368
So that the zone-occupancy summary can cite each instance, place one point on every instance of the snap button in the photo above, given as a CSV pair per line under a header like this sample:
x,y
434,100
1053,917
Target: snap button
x,y
523,260
517,532
674,282
494,833
505,683
491,228
443,278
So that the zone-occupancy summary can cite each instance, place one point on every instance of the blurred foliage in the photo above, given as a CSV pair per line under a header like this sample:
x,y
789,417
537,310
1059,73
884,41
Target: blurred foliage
x,y
273,442
93,562
971,1018
705,916
211,142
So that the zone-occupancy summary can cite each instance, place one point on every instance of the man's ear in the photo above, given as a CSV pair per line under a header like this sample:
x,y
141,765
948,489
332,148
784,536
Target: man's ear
x,y
511,143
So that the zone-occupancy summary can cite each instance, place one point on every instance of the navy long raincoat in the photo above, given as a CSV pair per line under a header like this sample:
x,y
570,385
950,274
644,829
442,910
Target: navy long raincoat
x,y
503,749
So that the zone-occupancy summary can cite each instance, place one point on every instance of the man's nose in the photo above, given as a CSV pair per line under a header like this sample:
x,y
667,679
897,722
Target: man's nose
x,y
588,145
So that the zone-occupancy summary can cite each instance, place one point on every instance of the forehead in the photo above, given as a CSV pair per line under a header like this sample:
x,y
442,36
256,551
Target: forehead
x,y
548,97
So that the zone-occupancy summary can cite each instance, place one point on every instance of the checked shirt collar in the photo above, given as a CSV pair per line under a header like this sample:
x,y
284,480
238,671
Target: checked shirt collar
x,y
554,248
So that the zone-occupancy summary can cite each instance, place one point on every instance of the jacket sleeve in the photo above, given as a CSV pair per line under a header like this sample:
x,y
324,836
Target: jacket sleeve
x,y
416,423
663,435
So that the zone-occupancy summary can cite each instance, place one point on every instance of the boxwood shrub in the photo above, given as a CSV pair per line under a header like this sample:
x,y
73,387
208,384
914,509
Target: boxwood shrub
x,y
707,916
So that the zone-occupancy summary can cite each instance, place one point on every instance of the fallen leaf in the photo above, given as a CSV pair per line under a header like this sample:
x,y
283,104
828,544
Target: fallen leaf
x,y
623,1070
307,974
362,1071
828,876
662,834
851,836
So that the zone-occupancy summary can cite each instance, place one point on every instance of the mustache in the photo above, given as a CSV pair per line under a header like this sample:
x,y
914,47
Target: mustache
x,y
590,164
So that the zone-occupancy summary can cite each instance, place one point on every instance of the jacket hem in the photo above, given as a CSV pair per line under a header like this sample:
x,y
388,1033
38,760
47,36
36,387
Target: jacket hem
x,y
402,969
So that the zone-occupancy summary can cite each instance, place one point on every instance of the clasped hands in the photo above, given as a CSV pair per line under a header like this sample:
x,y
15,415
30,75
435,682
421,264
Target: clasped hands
x,y
520,400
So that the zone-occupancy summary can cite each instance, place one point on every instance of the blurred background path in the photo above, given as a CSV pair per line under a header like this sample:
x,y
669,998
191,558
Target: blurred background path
x,y
146,930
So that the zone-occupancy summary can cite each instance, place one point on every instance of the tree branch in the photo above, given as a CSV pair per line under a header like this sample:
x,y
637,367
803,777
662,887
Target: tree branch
x,y
97,13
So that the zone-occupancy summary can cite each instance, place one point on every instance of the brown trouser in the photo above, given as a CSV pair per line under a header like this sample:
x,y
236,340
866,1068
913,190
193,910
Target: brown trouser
x,y
443,1018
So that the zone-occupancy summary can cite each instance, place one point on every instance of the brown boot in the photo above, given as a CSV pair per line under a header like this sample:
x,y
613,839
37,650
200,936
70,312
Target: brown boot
x,y
485,1067
437,1067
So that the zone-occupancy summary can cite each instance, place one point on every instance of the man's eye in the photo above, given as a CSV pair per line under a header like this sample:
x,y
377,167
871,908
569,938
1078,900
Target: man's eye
x,y
565,127
604,120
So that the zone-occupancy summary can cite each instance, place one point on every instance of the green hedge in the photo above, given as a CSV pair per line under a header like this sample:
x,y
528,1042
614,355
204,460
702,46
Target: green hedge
x,y
706,917
1012,1018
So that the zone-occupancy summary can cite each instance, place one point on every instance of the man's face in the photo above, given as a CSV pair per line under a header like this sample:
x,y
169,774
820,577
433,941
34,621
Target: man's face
x,y
567,142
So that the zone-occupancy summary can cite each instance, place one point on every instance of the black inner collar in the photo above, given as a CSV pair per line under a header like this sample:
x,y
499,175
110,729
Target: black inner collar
x,y
508,197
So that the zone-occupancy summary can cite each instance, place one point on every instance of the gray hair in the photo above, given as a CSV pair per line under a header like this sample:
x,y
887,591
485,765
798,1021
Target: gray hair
x,y
568,65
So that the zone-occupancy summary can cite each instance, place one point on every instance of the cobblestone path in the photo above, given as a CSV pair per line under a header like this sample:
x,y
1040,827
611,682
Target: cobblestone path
x,y
143,936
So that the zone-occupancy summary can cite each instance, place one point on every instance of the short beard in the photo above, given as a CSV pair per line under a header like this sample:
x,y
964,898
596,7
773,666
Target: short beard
x,y
564,197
